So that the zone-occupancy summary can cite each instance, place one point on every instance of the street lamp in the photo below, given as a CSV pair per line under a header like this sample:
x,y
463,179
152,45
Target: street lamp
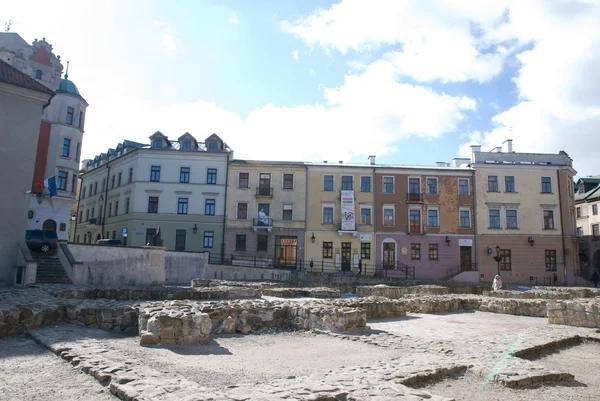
x,y
498,258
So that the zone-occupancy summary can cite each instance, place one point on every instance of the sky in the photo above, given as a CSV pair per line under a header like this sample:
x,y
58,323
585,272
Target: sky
x,y
412,82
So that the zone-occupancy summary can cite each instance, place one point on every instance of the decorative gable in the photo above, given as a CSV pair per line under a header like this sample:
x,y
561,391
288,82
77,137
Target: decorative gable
x,y
187,142
159,141
214,143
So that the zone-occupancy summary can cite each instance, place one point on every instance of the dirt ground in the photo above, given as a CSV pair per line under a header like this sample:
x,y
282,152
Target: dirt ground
x,y
28,372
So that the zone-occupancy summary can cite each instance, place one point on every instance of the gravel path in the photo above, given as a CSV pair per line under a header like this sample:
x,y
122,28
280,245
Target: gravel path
x,y
29,372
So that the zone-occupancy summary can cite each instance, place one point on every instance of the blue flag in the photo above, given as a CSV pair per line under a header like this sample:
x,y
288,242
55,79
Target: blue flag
x,y
50,183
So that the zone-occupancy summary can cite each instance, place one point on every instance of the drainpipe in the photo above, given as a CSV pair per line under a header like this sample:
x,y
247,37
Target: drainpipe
x,y
305,212
562,224
374,251
225,208
105,199
77,212
474,220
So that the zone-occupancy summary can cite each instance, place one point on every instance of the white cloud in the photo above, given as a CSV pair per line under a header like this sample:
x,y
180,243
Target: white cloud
x,y
295,55
312,72
233,19
169,40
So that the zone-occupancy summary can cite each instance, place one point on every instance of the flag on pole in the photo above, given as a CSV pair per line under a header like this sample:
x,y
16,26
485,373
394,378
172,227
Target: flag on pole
x,y
50,183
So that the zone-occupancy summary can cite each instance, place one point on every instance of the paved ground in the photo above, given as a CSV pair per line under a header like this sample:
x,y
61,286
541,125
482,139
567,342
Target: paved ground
x,y
28,372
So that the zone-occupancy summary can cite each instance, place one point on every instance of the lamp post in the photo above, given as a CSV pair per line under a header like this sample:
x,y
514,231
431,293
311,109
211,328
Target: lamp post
x,y
498,258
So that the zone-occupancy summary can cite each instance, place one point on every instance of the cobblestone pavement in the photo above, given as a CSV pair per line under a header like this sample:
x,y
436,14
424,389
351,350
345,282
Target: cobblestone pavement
x,y
388,362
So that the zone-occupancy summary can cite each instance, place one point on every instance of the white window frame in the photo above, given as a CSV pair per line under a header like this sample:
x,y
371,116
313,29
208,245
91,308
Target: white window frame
x,y
323,182
283,207
515,182
341,182
553,210
238,179
293,181
393,184
370,185
465,209
437,185
551,185
506,218
323,206
421,222
487,183
361,207
393,209
436,208
468,186
414,177
499,217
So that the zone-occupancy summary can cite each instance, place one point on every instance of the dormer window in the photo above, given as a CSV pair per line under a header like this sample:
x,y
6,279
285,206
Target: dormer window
x,y
186,145
157,144
213,146
38,74
581,188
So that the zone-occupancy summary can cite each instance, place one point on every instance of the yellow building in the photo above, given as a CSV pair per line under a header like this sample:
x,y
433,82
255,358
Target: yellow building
x,y
340,230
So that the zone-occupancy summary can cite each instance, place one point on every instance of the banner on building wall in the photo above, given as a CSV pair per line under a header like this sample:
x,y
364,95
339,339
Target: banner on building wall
x,y
347,210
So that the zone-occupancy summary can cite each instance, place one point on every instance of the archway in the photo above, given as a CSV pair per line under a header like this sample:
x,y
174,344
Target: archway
x,y
49,225
98,238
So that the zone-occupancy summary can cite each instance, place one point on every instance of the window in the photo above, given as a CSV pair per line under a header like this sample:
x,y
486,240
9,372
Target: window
x,y
130,175
414,190
463,187
87,215
116,208
578,211
580,231
548,219
327,250
74,183
70,112
240,242
81,215
126,205
208,239
595,209
550,257
433,252
109,210
546,185
288,181
262,243
62,180
570,187
242,210
505,261
365,216
90,190
186,145
38,74
494,215
103,184
209,207
327,183
509,184
153,204
365,250
388,185
155,173
213,146
78,152
365,184
243,180
596,230
328,215
150,235
432,218
465,218
581,188
287,213
182,205
119,179
432,186
66,149
388,216
180,240
184,175
511,219
112,181
415,251
347,183
83,193
95,187
414,216
492,183
81,119
211,176
157,144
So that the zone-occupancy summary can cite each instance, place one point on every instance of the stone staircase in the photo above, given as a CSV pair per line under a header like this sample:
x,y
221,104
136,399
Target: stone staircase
x,y
49,269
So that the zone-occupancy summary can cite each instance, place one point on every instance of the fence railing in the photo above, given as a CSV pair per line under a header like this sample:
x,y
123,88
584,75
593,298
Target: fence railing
x,y
454,271
264,191
414,197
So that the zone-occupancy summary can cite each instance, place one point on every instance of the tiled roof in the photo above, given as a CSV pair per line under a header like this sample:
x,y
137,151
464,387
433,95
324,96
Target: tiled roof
x,y
12,76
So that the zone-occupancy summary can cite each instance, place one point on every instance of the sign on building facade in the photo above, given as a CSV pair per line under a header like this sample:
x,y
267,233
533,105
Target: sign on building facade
x,y
347,211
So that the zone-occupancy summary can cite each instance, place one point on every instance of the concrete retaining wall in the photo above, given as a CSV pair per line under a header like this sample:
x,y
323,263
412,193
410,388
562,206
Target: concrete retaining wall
x,y
228,272
182,267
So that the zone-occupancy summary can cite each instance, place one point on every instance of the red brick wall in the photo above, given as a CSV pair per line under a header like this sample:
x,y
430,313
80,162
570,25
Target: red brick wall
x,y
41,157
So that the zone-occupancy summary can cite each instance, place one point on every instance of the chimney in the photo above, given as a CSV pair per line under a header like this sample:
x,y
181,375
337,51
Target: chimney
x,y
498,149
474,149
372,160
341,161
508,143
440,164
324,161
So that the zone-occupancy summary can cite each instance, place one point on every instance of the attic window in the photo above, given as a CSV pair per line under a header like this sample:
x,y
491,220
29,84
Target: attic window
x,y
581,188
157,144
213,146
186,145
38,74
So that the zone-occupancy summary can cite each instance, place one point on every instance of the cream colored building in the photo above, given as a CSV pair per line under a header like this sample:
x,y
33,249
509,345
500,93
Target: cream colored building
x,y
525,216
338,239
266,204
587,199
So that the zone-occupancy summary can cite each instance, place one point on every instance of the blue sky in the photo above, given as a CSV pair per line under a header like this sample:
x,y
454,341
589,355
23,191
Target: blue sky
x,y
413,82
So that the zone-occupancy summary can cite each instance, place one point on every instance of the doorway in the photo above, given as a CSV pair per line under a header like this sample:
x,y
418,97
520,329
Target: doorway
x,y
389,255
286,251
465,259
49,225
180,236
346,255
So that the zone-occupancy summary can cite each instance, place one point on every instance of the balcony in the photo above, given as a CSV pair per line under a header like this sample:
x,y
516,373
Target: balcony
x,y
262,223
583,216
264,192
95,221
414,197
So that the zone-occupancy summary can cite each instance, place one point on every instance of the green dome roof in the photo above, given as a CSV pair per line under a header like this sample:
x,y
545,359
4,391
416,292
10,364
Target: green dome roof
x,y
69,87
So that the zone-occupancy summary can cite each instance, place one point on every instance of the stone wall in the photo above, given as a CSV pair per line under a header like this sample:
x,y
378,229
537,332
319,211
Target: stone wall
x,y
311,292
160,293
580,313
230,272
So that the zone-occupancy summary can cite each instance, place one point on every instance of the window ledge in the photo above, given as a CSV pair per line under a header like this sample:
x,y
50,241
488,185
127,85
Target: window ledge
x,y
494,228
549,229
512,228
547,193
464,227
